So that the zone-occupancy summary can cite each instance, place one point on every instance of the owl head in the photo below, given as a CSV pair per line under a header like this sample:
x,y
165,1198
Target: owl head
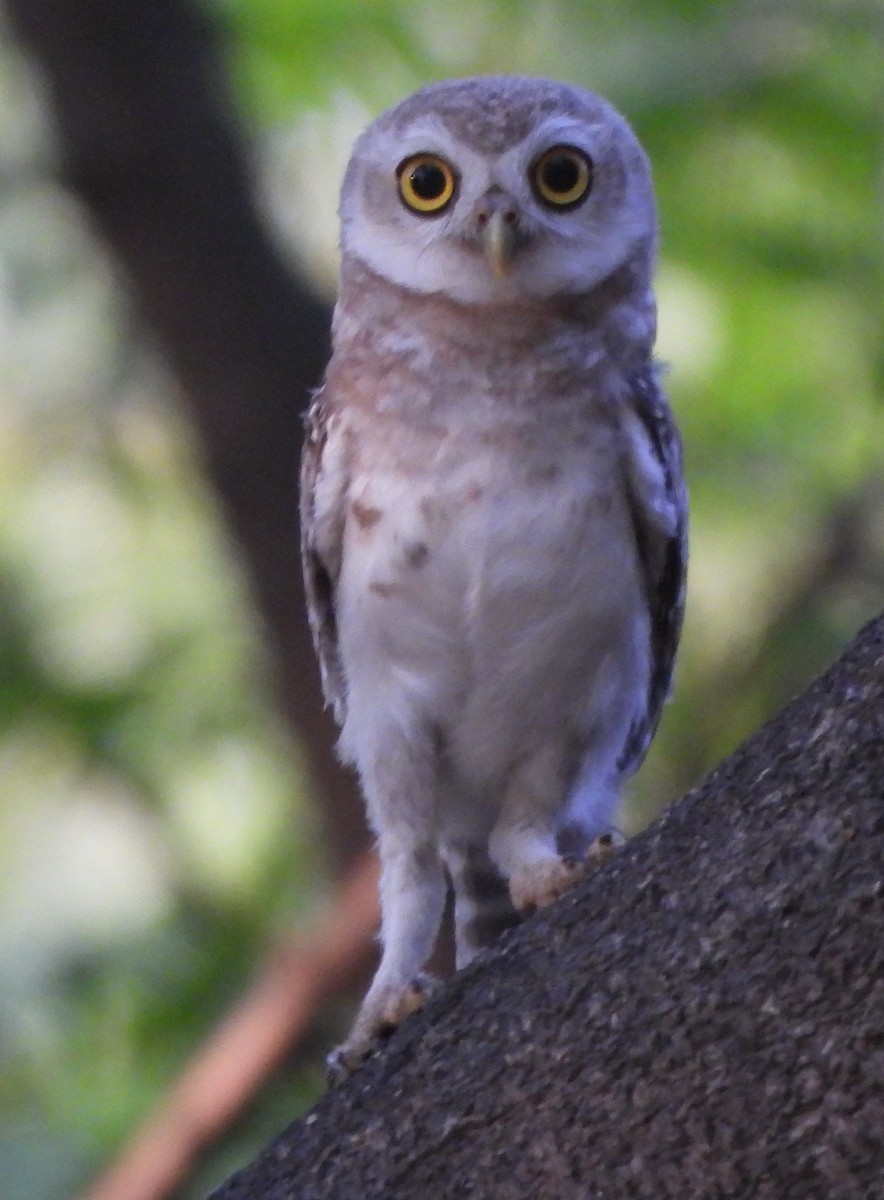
x,y
498,190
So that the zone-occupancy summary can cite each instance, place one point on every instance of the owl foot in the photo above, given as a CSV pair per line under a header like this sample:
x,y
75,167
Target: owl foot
x,y
540,884
381,1012
605,846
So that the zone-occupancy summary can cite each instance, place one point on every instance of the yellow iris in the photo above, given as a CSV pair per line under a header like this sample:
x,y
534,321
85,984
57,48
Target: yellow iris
x,y
426,183
562,176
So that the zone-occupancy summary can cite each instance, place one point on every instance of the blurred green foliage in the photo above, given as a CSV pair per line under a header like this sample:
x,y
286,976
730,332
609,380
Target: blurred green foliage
x,y
153,831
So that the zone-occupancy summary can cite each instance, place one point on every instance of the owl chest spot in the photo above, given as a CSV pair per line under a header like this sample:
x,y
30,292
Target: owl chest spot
x,y
459,538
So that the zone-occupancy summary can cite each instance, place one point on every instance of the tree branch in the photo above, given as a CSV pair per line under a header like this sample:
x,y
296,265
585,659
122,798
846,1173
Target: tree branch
x,y
704,1017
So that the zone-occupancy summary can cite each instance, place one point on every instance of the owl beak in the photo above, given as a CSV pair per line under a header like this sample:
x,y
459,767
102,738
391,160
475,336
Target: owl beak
x,y
497,220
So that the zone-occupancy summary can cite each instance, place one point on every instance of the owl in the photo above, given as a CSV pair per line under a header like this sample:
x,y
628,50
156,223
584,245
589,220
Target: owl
x,y
493,507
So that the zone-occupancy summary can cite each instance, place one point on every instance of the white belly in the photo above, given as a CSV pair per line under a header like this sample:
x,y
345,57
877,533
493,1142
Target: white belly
x,y
493,611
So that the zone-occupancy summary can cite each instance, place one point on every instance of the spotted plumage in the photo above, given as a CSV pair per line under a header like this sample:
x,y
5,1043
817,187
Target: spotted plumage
x,y
493,505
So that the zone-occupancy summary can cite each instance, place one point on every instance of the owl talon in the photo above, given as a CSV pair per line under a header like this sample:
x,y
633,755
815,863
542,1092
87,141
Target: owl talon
x,y
341,1063
399,1004
604,848
537,886
381,1013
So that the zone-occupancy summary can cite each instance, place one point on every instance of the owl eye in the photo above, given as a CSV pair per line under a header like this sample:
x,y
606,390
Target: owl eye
x,y
426,183
562,177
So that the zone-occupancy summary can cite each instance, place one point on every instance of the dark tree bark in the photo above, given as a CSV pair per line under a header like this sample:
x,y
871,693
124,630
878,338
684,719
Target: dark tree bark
x,y
704,1017
148,142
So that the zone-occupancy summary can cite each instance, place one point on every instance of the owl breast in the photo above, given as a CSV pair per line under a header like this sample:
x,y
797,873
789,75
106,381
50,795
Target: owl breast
x,y
490,593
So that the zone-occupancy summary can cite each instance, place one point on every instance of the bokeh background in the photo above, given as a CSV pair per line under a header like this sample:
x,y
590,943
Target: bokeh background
x,y
158,826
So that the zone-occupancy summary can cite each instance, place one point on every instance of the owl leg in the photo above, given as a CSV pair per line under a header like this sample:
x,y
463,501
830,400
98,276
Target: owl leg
x,y
413,893
482,905
523,842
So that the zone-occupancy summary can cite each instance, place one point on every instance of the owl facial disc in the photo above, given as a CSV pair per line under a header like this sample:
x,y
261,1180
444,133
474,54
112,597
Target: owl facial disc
x,y
498,191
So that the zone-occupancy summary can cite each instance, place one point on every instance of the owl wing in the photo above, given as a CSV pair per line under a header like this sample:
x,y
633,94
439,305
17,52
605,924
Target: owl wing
x,y
659,506
323,492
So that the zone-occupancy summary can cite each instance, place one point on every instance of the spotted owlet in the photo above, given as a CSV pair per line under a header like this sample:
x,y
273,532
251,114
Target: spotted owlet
x,y
494,512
